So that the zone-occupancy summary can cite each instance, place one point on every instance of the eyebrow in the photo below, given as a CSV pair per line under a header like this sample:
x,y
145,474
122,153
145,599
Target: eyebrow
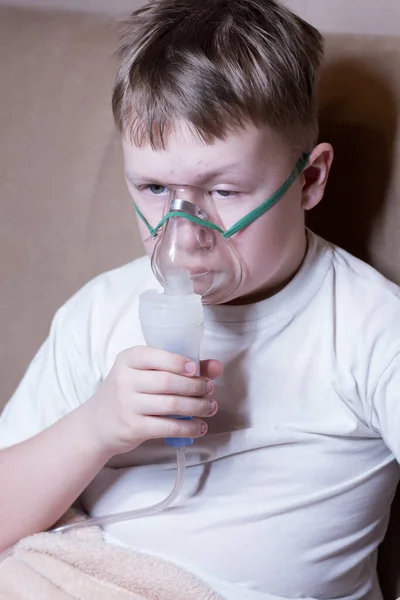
x,y
207,176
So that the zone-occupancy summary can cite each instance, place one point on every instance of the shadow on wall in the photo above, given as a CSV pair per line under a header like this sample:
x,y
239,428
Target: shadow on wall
x,y
358,116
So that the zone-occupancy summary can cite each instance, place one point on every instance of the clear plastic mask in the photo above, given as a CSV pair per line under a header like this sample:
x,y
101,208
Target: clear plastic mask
x,y
182,243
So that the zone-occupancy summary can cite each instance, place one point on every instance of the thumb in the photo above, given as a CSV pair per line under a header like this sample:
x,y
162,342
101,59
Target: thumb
x,y
211,368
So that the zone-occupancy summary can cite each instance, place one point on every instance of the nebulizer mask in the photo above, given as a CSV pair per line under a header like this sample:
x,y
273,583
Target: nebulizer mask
x,y
189,238
196,262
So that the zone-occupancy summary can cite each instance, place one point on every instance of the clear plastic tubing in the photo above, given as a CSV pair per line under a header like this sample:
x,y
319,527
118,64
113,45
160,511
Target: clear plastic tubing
x,y
140,512
170,321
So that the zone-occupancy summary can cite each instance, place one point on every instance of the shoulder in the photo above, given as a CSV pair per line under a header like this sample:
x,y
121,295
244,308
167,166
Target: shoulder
x,y
363,275
354,279
365,306
101,318
78,352
360,282
110,291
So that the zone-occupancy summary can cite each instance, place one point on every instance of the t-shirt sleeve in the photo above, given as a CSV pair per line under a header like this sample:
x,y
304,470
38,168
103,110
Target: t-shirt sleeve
x,y
58,380
385,406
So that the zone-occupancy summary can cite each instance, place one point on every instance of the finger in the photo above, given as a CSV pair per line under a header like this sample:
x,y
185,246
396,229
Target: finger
x,y
211,369
145,358
180,406
150,382
160,427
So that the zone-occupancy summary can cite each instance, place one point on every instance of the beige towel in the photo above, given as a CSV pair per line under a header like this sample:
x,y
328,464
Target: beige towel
x,y
79,565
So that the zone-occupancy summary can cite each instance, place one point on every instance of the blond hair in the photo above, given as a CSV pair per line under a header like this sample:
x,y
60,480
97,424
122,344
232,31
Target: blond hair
x,y
216,64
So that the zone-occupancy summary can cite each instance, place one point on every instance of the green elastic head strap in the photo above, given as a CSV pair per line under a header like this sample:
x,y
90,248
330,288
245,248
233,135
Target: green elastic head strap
x,y
244,221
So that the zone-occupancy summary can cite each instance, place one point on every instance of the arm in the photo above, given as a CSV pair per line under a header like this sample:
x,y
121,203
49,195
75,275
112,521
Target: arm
x,y
41,477
65,421
385,407
47,452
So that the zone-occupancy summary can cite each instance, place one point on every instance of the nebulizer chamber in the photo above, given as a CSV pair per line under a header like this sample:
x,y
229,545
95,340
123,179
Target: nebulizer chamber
x,y
173,321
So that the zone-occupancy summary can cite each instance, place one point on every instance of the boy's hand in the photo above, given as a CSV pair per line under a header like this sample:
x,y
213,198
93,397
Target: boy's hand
x,y
143,387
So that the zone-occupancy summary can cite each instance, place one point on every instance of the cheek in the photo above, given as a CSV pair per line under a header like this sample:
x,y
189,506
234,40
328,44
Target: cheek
x,y
259,248
264,244
147,240
261,240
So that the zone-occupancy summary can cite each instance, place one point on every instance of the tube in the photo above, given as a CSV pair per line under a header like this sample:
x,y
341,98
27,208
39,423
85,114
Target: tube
x,y
137,513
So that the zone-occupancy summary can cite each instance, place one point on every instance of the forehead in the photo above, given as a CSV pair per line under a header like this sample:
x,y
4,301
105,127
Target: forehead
x,y
185,154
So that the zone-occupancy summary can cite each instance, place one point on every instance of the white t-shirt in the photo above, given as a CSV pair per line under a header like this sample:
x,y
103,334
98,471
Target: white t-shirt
x,y
289,493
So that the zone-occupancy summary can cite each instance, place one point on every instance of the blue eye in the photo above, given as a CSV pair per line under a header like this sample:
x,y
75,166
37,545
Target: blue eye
x,y
156,189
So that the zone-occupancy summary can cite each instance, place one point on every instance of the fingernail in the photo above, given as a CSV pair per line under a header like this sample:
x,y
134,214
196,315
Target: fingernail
x,y
213,407
190,367
209,387
203,428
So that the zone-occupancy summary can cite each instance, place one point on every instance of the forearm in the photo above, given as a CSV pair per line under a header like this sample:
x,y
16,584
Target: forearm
x,y
41,477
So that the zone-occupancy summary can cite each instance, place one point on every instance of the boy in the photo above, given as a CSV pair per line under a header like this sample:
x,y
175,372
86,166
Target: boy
x,y
293,469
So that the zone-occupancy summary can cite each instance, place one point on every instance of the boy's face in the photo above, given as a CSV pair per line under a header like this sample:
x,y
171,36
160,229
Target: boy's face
x,y
240,172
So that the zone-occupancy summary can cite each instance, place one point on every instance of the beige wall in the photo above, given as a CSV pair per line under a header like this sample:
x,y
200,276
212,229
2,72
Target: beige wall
x,y
347,16
350,16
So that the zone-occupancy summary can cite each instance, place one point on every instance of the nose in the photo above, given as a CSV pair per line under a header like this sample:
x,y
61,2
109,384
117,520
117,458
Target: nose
x,y
191,237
